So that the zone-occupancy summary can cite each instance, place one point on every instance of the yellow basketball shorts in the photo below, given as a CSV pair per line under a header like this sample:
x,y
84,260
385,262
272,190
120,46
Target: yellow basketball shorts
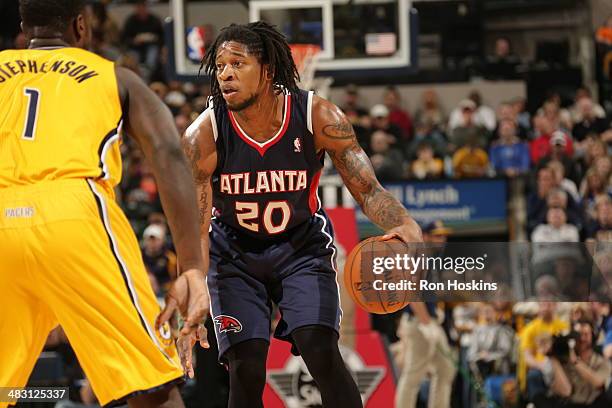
x,y
68,256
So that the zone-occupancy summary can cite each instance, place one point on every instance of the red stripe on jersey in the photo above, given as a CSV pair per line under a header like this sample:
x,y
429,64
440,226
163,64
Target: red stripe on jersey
x,y
262,147
313,201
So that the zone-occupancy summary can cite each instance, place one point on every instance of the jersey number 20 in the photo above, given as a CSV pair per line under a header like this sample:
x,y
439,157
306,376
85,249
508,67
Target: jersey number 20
x,y
30,122
247,211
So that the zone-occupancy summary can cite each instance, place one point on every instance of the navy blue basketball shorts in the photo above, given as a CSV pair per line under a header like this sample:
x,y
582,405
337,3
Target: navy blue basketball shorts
x,y
295,272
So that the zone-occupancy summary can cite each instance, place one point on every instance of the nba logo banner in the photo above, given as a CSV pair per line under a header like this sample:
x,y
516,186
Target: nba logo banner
x,y
195,44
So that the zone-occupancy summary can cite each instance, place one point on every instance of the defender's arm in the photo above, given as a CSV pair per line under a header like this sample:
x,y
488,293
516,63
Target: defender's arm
x,y
150,122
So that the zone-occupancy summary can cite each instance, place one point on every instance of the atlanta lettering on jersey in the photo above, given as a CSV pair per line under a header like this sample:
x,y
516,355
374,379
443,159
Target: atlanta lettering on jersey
x,y
271,181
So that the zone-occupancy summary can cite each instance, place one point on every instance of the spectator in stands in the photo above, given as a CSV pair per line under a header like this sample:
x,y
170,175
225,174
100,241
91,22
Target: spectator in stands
x,y
100,46
381,121
509,155
536,201
505,111
604,33
547,287
470,160
595,148
102,22
138,206
182,122
483,115
581,311
352,109
387,161
592,186
542,145
602,223
603,322
143,34
426,165
558,116
159,261
468,129
603,166
492,344
589,122
175,98
160,89
503,63
427,132
557,197
585,371
503,51
430,111
534,344
558,152
561,181
425,351
575,111
556,229
522,114
398,116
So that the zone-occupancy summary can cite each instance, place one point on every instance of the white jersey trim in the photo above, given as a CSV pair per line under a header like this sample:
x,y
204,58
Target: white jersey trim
x,y
309,112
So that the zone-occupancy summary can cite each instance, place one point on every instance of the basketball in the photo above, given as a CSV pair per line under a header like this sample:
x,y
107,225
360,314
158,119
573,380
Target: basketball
x,y
376,291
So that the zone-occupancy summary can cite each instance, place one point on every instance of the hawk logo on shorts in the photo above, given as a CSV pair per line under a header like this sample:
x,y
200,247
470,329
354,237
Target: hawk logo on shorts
x,y
228,324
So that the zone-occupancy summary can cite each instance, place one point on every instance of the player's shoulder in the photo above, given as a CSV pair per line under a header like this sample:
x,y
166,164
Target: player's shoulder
x,y
89,54
203,128
325,112
6,54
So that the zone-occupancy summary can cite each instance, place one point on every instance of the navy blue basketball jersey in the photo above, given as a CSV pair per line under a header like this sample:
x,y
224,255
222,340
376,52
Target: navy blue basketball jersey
x,y
266,189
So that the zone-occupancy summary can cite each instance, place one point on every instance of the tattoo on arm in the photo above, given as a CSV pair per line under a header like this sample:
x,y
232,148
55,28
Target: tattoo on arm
x,y
203,201
192,151
341,130
201,177
356,170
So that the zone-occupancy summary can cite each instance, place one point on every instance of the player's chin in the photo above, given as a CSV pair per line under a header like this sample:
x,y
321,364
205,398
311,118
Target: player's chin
x,y
234,104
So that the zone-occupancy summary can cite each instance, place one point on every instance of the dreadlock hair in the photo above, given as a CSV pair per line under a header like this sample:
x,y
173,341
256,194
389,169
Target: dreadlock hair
x,y
55,14
263,41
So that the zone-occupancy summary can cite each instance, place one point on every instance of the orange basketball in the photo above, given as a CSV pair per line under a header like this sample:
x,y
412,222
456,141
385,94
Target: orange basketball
x,y
375,291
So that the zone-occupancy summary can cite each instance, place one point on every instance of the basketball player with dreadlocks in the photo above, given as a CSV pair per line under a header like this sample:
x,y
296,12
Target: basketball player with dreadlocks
x,y
256,155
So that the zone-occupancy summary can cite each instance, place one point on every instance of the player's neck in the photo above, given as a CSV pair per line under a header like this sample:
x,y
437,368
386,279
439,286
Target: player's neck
x,y
45,37
47,42
263,118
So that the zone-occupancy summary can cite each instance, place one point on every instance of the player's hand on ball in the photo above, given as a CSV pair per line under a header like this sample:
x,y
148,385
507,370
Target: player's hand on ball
x,y
408,232
189,296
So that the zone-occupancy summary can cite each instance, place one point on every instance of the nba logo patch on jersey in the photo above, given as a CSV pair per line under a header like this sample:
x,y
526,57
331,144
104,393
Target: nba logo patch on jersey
x,y
297,145
228,324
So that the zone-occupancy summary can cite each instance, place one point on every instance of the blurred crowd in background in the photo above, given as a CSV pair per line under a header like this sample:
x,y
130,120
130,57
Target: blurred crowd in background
x,y
505,353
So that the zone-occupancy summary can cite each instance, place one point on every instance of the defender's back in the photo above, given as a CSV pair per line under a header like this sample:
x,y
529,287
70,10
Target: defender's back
x,y
60,116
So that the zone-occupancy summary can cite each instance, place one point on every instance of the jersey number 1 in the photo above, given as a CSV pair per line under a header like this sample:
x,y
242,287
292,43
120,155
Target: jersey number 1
x,y
30,122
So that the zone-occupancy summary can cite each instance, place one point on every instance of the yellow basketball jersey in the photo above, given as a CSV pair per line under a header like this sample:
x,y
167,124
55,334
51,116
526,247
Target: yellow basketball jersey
x,y
60,118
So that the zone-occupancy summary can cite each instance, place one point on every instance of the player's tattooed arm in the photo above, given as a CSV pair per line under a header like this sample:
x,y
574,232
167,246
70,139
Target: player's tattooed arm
x,y
334,134
199,147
